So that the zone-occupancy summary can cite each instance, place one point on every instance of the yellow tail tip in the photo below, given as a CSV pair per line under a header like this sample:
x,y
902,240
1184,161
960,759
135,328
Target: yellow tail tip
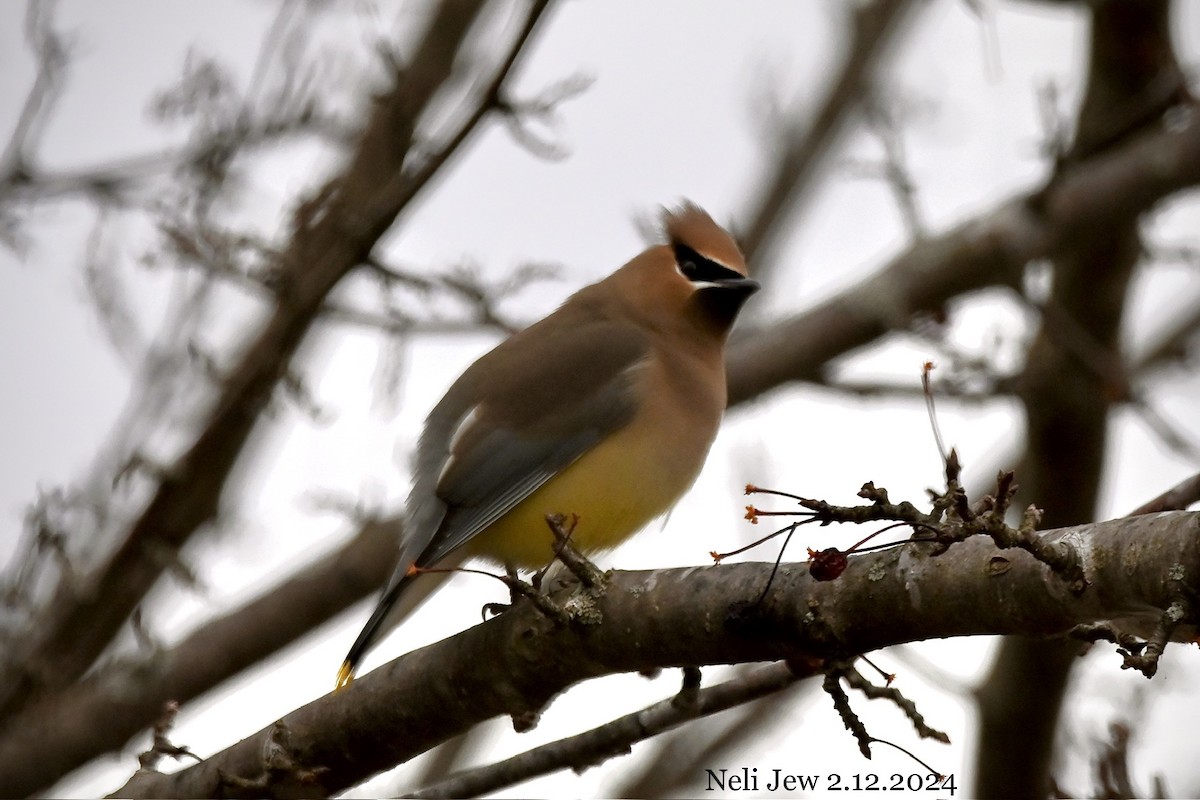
x,y
345,676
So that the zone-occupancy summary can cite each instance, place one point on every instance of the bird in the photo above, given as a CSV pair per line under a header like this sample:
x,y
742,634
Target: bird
x,y
603,411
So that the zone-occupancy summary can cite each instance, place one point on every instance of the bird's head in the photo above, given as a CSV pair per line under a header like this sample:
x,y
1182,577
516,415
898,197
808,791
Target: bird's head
x,y
698,277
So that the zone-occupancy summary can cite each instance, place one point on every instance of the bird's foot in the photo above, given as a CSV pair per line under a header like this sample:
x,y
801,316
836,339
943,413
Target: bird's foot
x,y
518,588
513,581
495,609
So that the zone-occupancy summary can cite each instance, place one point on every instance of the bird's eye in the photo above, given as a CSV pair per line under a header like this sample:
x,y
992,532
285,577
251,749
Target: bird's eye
x,y
698,269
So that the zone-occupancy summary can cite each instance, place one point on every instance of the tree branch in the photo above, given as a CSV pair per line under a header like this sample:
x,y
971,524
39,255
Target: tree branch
x,y
992,250
615,738
1074,373
697,616
334,231
61,731
50,51
1177,498
872,29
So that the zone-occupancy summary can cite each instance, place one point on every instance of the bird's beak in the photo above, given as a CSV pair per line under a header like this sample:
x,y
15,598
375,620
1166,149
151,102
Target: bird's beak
x,y
723,299
746,286
733,287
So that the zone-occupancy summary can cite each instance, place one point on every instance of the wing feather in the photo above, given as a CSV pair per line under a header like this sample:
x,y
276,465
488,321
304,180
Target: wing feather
x,y
501,432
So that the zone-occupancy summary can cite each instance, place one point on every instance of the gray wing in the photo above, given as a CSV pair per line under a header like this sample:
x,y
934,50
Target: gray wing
x,y
499,434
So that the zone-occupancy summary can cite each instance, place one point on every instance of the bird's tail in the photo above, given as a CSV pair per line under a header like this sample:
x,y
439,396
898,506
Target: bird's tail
x,y
374,629
404,594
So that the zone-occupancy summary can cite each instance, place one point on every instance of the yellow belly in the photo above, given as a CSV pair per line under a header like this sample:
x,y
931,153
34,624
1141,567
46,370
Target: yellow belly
x,y
615,489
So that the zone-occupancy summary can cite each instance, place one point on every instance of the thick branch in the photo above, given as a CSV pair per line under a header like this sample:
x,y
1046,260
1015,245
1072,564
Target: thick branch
x,y
62,731
517,663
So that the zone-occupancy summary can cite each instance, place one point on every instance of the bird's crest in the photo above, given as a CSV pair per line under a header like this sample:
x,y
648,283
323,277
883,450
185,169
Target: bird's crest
x,y
691,226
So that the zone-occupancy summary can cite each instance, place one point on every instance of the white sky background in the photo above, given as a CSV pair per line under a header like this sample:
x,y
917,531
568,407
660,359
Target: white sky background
x,y
677,110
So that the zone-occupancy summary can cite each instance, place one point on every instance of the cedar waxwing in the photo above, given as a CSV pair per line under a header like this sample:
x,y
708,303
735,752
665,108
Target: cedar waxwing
x,y
605,410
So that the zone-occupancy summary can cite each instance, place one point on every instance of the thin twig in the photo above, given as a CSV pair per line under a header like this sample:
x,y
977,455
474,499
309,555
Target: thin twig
x,y
616,737
871,27
50,51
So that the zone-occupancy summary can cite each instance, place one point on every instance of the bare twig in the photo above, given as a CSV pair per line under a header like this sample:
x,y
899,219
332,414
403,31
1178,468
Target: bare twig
x,y
355,210
855,680
161,745
989,251
50,50
1171,344
673,768
613,738
842,704
871,30
109,296
885,121
1146,661
542,110
275,39
112,179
